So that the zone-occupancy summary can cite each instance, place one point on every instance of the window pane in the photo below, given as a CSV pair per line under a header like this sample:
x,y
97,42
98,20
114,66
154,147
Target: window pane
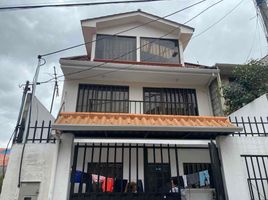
x,y
102,98
116,47
160,50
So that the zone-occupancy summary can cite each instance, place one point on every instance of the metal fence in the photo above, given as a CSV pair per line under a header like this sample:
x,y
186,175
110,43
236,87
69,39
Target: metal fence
x,y
39,132
139,171
252,126
257,179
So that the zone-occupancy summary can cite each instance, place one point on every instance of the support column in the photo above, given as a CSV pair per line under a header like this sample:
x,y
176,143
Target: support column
x,y
64,164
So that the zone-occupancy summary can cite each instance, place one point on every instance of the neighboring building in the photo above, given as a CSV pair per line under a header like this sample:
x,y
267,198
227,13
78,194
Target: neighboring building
x,y
4,155
134,115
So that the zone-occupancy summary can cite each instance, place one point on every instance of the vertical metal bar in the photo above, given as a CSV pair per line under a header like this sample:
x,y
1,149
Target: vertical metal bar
x,y
255,178
115,152
257,128
236,122
100,151
91,162
230,119
162,167
154,153
74,168
42,129
265,170
244,127
107,166
82,103
80,188
48,131
249,179
264,193
129,163
250,126
137,165
123,167
35,128
177,168
263,127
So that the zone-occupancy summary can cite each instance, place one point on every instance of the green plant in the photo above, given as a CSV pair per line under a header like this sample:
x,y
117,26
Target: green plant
x,y
250,82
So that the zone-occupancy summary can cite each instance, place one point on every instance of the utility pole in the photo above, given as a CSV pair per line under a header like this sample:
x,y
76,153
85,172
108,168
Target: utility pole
x,y
56,89
263,8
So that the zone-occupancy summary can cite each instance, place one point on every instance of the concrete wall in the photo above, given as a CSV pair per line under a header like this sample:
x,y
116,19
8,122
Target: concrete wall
x,y
256,108
234,166
70,92
36,167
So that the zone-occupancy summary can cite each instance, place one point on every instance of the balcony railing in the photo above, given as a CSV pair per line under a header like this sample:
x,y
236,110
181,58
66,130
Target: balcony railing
x,y
139,107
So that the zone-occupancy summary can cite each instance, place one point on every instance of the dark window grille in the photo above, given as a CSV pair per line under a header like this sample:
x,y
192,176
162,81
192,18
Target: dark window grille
x,y
160,50
191,168
257,176
170,101
116,47
102,98
146,167
252,126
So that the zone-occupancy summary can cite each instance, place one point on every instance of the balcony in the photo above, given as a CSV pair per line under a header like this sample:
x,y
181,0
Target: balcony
x,y
139,107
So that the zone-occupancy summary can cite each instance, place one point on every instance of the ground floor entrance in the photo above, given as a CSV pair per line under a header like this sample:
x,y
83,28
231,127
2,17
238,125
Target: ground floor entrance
x,y
141,171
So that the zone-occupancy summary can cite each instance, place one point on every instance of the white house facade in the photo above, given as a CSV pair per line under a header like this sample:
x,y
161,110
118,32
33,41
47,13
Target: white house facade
x,y
136,122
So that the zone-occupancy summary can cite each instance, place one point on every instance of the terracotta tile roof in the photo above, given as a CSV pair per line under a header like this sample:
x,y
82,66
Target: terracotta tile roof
x,y
84,119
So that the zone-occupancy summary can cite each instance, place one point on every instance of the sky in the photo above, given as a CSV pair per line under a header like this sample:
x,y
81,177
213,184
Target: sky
x,y
24,34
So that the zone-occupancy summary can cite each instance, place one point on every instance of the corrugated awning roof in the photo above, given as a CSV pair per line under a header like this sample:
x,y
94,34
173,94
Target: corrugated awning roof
x,y
83,121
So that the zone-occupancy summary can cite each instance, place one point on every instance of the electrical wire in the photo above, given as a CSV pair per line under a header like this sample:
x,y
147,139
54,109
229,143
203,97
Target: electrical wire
x,y
253,40
72,73
73,4
126,30
218,21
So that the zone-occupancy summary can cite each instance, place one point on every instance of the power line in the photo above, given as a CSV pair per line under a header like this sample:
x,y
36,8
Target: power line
x,y
114,59
254,39
218,21
126,30
158,18
73,4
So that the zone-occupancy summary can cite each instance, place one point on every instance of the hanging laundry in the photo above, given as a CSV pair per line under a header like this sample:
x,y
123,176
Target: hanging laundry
x,y
110,185
78,176
184,180
95,178
193,179
204,178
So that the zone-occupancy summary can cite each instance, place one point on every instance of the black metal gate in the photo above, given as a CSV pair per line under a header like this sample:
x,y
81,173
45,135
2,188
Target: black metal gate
x,y
134,171
216,171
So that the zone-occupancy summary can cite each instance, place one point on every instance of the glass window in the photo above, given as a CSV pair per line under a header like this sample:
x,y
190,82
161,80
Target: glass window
x,y
116,47
102,98
160,50
170,101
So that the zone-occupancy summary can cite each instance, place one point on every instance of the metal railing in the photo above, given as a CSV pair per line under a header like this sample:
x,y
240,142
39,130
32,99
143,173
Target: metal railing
x,y
252,126
257,176
40,132
139,107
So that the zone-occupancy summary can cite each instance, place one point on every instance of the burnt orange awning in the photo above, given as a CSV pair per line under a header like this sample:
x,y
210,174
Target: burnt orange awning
x,y
83,121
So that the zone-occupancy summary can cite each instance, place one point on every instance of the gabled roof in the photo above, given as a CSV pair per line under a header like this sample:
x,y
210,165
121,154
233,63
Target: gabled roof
x,y
121,15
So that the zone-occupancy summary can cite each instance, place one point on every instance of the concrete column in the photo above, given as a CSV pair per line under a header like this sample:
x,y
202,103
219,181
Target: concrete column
x,y
63,171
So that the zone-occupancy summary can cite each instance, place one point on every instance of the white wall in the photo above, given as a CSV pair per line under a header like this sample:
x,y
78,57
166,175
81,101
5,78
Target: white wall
x,y
70,92
256,108
37,167
234,167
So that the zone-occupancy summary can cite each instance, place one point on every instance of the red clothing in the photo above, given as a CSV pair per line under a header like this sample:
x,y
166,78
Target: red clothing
x,y
110,185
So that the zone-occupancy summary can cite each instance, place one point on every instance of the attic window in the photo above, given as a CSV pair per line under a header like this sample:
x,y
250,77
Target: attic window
x,y
160,50
115,47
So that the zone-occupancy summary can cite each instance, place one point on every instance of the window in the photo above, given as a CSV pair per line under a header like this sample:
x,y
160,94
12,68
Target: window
x,y
160,50
102,98
170,101
116,47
